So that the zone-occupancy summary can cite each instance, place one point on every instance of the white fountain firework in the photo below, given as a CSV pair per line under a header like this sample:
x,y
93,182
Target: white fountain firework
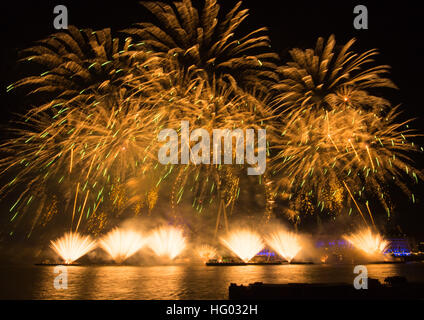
x,y
122,244
244,243
72,246
167,242
206,252
372,244
286,244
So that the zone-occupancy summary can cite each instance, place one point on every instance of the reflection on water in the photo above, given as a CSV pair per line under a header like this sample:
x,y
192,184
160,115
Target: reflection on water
x,y
176,282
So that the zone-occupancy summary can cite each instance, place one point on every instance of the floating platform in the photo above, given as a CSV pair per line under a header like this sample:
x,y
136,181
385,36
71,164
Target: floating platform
x,y
86,264
300,262
224,264
216,263
387,262
261,263
57,264
394,288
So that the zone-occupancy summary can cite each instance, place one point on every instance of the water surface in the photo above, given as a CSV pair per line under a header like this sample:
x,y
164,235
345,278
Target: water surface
x,y
176,282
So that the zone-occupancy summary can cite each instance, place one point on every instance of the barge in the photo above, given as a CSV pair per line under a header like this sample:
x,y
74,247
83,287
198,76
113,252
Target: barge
x,y
223,264
253,262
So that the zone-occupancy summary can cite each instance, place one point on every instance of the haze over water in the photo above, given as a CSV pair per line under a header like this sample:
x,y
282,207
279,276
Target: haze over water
x,y
176,282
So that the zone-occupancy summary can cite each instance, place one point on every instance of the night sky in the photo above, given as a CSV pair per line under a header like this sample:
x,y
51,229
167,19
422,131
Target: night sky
x,y
395,29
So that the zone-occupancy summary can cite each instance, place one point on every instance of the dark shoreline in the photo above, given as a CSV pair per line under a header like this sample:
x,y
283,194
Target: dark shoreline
x,y
393,288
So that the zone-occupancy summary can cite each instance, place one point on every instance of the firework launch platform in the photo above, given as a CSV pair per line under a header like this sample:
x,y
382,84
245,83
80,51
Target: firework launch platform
x,y
57,264
253,262
223,264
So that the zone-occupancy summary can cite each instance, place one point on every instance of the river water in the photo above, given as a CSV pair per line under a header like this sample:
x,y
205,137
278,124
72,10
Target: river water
x,y
176,282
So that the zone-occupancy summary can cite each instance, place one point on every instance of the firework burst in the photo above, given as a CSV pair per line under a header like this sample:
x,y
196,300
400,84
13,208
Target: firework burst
x,y
328,77
209,105
333,155
206,41
81,67
88,149
92,141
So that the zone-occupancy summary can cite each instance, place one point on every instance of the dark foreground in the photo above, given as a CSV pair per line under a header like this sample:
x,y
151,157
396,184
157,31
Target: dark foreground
x,y
393,288
177,282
